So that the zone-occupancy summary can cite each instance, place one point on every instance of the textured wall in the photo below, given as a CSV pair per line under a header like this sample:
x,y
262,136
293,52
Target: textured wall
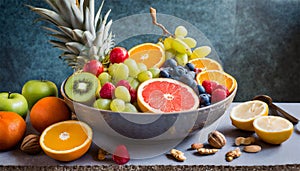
x,y
258,41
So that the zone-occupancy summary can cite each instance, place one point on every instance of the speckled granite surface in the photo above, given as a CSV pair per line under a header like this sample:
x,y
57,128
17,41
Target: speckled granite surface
x,y
258,41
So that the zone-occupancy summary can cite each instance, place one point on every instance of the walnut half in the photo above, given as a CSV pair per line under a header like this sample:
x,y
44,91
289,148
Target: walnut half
x,y
216,139
31,144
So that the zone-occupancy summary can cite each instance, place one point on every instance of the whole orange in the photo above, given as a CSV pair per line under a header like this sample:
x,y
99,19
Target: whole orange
x,y
12,129
47,111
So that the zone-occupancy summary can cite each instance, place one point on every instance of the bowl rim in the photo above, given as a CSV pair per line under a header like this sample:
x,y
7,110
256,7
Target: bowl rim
x,y
232,94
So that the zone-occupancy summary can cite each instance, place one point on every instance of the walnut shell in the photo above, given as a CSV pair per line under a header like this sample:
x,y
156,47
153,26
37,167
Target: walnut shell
x,y
216,139
31,144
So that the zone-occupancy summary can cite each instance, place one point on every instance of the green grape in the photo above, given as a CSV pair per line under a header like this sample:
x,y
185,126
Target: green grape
x,y
134,83
132,66
142,67
181,47
104,77
102,104
144,76
170,53
201,52
130,108
111,69
190,42
181,31
182,59
168,43
155,72
117,105
121,92
120,72
161,45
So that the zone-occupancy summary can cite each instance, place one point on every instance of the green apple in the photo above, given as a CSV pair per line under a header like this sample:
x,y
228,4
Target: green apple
x,y
34,90
13,102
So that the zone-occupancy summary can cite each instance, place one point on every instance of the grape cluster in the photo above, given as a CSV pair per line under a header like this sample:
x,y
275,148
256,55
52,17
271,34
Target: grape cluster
x,y
185,74
180,47
119,85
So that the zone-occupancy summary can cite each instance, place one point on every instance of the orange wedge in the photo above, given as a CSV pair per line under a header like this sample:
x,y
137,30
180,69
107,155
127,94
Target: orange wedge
x,y
206,64
166,95
152,55
67,140
218,76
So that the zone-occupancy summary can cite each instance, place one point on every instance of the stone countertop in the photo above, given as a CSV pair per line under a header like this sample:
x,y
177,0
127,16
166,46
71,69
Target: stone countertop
x,y
284,156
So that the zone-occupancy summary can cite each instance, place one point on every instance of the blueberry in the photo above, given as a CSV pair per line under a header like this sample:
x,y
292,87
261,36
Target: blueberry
x,y
170,63
164,74
192,74
186,79
204,99
201,89
190,66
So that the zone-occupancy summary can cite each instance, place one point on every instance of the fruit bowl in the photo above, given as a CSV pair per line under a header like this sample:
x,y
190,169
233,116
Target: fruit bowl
x,y
147,134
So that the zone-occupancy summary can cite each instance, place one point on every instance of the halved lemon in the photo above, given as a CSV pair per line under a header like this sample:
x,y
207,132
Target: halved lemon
x,y
67,140
243,115
206,64
152,55
218,76
273,129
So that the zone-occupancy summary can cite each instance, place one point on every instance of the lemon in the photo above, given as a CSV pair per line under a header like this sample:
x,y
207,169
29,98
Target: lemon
x,y
273,129
243,115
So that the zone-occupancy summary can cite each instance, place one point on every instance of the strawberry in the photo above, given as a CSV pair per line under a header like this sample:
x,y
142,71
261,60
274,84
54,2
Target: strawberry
x,y
121,155
218,95
224,88
107,91
209,86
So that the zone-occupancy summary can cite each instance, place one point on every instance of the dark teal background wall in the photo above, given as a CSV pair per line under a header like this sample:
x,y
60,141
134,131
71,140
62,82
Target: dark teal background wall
x,y
258,41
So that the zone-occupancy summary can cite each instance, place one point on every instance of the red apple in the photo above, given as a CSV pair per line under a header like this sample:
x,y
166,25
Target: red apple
x,y
93,66
118,55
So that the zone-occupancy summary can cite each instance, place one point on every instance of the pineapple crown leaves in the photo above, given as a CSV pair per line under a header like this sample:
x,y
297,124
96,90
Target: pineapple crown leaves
x,y
79,33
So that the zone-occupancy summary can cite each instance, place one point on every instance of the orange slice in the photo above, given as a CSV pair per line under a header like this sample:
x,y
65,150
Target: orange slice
x,y
218,76
152,55
166,95
206,64
243,115
67,140
273,129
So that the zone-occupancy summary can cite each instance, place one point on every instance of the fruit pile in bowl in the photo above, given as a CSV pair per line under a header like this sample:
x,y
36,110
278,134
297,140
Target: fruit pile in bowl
x,y
149,97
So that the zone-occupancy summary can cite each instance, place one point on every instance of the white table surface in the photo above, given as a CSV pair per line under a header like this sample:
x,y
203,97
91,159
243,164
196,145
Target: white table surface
x,y
284,154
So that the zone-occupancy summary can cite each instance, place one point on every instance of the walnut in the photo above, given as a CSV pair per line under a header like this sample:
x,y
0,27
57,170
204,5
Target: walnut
x,y
31,144
207,151
178,155
216,139
233,154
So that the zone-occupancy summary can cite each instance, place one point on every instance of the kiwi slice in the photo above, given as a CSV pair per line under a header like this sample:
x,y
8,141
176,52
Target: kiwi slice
x,y
82,87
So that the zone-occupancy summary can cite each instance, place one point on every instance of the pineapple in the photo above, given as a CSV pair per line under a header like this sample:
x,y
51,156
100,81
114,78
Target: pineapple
x,y
79,33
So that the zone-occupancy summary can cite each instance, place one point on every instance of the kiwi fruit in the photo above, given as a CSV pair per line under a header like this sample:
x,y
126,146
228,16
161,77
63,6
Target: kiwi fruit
x,y
82,87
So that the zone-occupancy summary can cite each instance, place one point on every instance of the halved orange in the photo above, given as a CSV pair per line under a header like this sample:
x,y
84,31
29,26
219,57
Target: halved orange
x,y
67,140
220,77
152,55
166,95
206,64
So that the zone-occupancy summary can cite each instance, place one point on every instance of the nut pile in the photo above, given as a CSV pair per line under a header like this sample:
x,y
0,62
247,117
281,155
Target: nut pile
x,y
216,141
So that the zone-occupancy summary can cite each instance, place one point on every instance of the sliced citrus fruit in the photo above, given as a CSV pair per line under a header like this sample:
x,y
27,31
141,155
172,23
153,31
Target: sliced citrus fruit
x,y
273,129
152,55
218,76
166,95
206,64
243,115
67,140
